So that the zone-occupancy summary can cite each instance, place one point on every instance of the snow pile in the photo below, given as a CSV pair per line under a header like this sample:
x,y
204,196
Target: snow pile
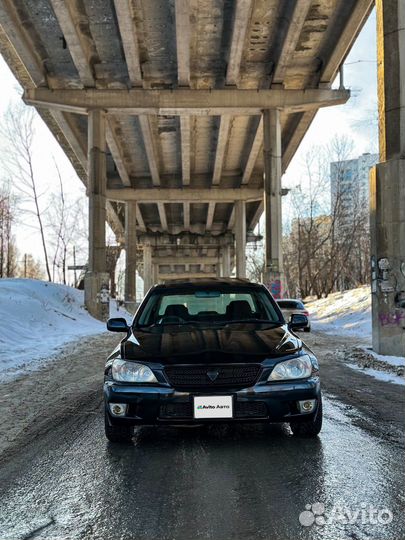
x,y
347,313
397,362
384,368
37,318
380,375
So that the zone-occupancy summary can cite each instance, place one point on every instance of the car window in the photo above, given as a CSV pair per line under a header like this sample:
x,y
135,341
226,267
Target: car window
x,y
197,304
290,304
214,305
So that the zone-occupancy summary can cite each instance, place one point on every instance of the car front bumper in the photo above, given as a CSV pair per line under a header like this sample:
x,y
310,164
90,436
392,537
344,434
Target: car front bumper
x,y
151,405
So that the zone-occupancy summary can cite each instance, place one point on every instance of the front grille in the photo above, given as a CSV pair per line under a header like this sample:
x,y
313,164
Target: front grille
x,y
242,409
233,375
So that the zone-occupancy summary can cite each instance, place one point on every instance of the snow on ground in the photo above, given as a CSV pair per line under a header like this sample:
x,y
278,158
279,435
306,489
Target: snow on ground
x,y
349,314
346,314
384,368
37,319
380,375
395,361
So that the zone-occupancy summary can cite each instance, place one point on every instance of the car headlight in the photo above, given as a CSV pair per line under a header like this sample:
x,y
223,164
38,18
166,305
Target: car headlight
x,y
123,371
296,368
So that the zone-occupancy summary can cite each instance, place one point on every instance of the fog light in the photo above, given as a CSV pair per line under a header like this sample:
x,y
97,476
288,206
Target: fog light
x,y
307,406
118,409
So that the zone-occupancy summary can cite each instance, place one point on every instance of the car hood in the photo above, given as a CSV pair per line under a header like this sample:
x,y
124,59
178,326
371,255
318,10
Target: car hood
x,y
242,342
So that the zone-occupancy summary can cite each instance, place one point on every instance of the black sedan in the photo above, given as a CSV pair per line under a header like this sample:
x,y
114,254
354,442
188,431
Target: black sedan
x,y
215,350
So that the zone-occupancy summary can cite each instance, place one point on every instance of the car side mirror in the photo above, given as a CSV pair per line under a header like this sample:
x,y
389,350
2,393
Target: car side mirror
x,y
298,321
118,324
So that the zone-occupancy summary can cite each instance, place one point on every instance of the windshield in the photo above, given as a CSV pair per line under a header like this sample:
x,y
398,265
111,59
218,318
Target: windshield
x,y
202,306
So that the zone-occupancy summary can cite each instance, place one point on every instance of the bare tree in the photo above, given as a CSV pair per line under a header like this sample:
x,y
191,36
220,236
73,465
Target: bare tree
x,y
327,231
17,158
59,226
30,268
255,265
8,250
66,220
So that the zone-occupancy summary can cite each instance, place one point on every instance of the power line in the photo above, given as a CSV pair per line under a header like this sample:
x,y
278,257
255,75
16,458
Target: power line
x,y
360,62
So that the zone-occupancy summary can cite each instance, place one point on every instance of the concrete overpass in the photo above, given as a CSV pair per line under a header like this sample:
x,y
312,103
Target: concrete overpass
x,y
180,116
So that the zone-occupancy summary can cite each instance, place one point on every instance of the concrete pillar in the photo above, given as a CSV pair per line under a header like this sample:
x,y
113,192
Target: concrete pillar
x,y
273,276
155,273
130,262
387,185
218,267
147,268
113,254
240,238
226,261
96,283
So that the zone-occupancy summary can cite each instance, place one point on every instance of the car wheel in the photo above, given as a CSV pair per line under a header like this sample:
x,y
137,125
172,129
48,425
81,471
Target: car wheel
x,y
118,434
311,428
307,329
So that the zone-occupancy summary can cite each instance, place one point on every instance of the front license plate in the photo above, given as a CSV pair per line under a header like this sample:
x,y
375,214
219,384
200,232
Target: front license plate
x,y
213,407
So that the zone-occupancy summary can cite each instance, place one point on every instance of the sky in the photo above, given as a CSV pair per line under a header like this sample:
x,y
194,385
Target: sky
x,y
45,150
356,119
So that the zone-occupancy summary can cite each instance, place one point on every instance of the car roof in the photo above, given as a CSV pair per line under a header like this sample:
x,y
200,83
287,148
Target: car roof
x,y
206,282
288,300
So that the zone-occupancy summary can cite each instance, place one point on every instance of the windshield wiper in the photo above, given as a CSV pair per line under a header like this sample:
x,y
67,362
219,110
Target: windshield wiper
x,y
159,325
261,321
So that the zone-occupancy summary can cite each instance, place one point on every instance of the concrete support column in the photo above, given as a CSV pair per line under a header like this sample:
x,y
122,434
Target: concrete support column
x,y
226,261
391,76
96,289
274,277
113,254
240,238
387,185
218,267
147,268
155,273
130,249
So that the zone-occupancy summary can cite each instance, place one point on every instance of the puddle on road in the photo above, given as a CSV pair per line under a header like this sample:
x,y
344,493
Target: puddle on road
x,y
221,482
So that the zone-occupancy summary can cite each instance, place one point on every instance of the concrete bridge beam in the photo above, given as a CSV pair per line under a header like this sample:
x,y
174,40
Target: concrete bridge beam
x,y
184,101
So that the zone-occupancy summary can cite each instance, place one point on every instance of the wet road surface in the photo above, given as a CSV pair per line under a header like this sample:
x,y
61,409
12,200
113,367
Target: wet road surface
x,y
220,482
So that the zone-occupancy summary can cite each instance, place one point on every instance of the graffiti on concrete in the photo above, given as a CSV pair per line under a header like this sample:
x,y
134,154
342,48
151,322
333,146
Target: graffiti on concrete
x,y
385,276
395,318
275,288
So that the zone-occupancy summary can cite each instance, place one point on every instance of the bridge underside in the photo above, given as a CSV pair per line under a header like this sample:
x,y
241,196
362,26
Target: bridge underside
x,y
180,116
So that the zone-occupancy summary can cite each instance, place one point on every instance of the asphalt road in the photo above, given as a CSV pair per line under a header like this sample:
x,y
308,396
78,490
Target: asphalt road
x,y
221,482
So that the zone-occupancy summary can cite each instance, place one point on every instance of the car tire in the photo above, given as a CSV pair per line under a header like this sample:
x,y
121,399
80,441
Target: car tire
x,y
307,329
310,428
118,434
